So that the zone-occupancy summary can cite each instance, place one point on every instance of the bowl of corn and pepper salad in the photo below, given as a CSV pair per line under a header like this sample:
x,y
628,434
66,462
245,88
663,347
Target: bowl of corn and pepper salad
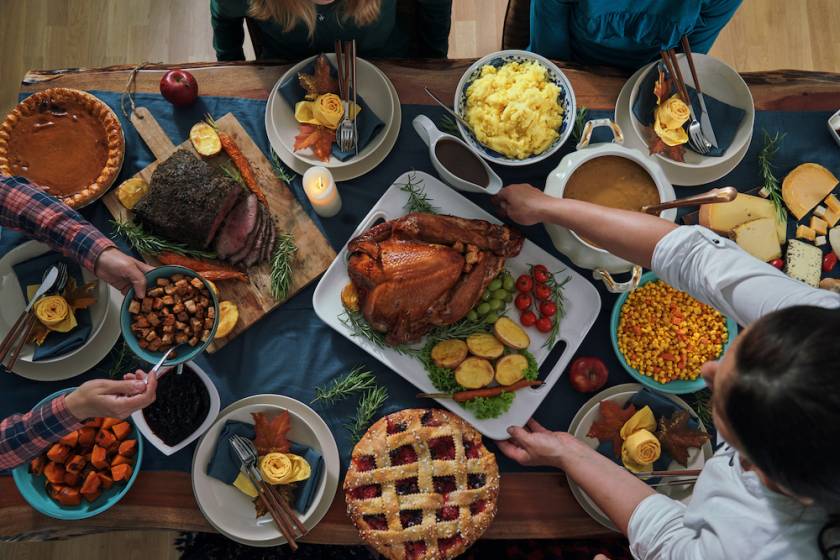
x,y
663,336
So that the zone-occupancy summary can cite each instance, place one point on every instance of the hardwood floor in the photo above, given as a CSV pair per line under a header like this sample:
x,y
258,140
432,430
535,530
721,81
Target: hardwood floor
x,y
764,34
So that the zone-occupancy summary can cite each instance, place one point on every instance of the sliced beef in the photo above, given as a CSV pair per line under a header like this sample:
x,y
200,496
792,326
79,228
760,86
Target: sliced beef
x,y
240,255
268,247
254,254
238,225
187,200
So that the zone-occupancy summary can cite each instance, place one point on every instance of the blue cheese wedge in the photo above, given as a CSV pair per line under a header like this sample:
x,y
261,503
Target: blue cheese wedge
x,y
803,262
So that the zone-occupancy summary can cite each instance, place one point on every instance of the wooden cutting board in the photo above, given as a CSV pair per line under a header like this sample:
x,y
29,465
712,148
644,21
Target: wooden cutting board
x,y
314,252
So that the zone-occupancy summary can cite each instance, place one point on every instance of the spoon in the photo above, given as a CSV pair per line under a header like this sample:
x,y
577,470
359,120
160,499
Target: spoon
x,y
449,110
714,196
159,365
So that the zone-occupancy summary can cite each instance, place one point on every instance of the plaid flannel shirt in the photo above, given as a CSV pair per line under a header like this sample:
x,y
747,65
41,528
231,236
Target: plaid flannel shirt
x,y
26,208
25,436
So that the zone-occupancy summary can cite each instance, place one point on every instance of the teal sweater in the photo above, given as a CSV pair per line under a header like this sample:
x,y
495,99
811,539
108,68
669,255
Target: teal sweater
x,y
397,33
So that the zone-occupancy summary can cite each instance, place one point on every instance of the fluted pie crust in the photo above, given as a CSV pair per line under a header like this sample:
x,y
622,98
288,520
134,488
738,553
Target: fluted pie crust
x,y
65,141
421,485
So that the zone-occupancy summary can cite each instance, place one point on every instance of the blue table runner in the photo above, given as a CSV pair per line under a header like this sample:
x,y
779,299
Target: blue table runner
x,y
290,351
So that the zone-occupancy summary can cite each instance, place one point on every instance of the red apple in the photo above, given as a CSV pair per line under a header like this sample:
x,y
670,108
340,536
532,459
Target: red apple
x,y
587,374
179,88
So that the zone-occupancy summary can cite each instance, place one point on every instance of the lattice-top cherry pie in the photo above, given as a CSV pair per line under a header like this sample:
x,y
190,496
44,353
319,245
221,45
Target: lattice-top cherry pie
x,y
421,485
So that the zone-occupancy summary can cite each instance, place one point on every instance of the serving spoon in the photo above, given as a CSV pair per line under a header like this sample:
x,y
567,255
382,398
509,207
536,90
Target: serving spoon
x,y
714,196
449,110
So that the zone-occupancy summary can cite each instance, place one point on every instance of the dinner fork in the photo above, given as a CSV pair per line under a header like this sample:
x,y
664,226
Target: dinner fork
x,y
695,136
705,121
346,133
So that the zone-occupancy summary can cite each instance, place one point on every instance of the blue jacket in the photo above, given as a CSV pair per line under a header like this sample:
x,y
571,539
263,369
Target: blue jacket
x,y
625,33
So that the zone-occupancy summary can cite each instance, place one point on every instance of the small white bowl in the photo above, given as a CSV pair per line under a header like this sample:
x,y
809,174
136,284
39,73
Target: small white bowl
x,y
718,80
834,125
555,75
215,403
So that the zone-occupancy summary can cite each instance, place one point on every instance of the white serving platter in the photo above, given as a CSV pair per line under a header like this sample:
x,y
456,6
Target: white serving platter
x,y
582,305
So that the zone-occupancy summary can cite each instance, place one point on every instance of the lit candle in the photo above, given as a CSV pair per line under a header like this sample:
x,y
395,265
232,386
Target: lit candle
x,y
321,191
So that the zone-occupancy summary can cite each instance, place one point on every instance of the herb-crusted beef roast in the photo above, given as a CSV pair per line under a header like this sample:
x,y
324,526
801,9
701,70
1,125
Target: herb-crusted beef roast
x,y
238,225
187,200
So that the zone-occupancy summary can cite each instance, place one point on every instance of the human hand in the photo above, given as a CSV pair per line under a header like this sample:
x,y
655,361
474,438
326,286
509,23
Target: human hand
x,y
522,203
117,399
537,446
121,271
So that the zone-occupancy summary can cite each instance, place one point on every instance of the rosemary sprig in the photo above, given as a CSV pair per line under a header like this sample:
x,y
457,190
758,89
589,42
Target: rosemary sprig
x,y
770,183
418,200
281,265
580,121
559,299
359,379
461,329
702,405
359,327
447,124
229,170
280,170
150,244
371,401
122,360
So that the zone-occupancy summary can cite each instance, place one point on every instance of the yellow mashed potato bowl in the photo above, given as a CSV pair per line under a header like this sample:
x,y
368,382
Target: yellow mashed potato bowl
x,y
514,109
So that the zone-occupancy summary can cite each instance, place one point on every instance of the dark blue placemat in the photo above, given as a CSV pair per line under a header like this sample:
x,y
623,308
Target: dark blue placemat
x,y
291,351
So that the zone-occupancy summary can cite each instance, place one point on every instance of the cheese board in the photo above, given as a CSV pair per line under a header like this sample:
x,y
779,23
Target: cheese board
x,y
582,306
253,297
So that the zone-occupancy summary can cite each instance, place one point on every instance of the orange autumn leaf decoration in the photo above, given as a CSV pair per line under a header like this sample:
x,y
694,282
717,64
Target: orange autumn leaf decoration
x,y
662,87
608,425
81,297
271,432
677,437
657,146
319,138
320,81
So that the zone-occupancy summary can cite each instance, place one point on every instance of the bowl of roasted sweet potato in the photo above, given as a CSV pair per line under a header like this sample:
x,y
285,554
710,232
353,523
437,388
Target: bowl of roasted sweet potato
x,y
180,309
85,472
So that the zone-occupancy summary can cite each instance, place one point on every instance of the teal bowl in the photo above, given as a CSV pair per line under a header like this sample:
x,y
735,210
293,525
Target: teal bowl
x,y
678,387
33,488
154,357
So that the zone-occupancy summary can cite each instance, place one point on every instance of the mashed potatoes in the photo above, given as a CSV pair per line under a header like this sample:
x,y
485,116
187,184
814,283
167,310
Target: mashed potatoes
x,y
514,109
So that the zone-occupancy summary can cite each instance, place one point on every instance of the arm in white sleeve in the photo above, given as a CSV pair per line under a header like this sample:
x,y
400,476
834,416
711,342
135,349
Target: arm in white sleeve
x,y
718,272
657,532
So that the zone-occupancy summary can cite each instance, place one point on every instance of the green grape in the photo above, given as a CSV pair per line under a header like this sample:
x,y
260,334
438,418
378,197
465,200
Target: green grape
x,y
508,297
499,294
496,304
486,295
472,316
508,283
495,285
482,308
491,318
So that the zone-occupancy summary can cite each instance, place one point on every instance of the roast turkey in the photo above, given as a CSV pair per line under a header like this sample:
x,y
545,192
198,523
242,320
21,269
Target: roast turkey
x,y
425,270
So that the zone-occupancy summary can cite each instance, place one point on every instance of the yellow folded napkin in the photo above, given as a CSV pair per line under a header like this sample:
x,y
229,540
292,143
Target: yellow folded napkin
x,y
283,468
668,121
54,313
327,110
640,450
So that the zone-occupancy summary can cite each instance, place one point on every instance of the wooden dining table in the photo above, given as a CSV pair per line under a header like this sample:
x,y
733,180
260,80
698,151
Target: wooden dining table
x,y
531,505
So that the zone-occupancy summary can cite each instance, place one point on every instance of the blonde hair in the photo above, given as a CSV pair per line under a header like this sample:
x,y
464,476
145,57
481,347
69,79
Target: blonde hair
x,y
289,13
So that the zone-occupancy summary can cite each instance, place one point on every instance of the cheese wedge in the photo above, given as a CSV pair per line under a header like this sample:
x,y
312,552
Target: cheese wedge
x,y
831,217
804,232
759,239
819,225
724,217
805,187
819,241
819,211
803,262
833,203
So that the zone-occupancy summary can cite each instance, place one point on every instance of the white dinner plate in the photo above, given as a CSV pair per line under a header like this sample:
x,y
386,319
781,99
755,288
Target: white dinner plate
x,y
677,175
355,168
13,302
588,413
230,511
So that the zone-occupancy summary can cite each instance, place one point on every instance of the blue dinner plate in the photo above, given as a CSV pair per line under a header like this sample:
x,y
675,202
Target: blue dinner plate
x,y
677,387
185,353
34,488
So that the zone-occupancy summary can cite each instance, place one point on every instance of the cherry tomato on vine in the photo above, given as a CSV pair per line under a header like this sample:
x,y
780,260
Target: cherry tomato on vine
x,y
540,276
542,292
829,260
540,267
548,309
522,301
544,324
527,318
524,283
778,263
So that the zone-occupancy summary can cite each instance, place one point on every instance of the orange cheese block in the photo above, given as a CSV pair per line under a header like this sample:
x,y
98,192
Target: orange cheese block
x,y
805,187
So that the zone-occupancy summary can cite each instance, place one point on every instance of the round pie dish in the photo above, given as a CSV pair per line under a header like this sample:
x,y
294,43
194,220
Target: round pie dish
x,y
421,485
66,141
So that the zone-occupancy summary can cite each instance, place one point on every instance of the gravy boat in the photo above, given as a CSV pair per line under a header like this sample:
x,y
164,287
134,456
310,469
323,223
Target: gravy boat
x,y
430,135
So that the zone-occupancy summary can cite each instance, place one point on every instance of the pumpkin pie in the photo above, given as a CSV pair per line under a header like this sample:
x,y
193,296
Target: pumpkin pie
x,y
65,141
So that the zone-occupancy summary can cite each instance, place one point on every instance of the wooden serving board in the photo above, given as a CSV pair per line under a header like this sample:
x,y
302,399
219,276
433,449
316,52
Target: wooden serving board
x,y
314,252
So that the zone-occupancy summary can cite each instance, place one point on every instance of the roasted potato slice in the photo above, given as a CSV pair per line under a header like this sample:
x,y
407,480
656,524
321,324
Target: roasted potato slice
x,y
510,334
511,369
228,317
449,353
350,297
474,373
205,139
132,191
485,345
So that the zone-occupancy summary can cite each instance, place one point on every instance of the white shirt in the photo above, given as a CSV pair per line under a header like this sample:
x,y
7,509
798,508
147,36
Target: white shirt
x,y
731,513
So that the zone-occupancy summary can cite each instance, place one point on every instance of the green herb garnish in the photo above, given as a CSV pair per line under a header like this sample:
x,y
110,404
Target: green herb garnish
x,y
448,125
580,122
233,173
371,401
702,405
123,360
418,200
280,170
150,244
281,265
359,327
770,188
489,407
461,329
358,380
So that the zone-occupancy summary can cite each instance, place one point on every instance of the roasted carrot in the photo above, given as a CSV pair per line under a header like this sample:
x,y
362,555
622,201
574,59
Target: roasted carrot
x,y
128,448
69,496
120,460
106,480
71,478
105,438
99,457
36,465
75,464
70,440
93,423
122,430
463,396
224,275
92,483
121,472
58,453
54,473
86,437
198,265
241,163
108,422
91,496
